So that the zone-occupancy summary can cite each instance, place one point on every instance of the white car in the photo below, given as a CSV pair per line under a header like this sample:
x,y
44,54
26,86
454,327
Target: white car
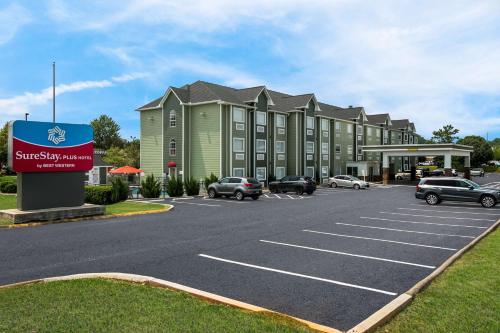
x,y
347,181
403,176
477,172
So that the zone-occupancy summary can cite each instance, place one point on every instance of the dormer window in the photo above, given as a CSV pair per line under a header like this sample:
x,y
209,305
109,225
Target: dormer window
x,y
173,118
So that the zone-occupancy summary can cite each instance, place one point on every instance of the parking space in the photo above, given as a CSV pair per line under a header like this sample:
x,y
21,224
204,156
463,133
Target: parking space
x,y
334,257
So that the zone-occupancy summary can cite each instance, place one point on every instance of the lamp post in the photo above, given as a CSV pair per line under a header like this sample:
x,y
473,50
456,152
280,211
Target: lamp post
x,y
26,116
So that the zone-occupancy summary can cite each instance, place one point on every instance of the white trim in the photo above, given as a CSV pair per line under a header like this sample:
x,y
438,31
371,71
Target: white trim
x,y
238,151
276,147
243,113
183,145
257,146
257,113
265,173
242,175
230,140
220,138
163,165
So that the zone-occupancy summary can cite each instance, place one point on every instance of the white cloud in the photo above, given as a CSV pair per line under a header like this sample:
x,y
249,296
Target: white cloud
x,y
16,106
12,18
420,60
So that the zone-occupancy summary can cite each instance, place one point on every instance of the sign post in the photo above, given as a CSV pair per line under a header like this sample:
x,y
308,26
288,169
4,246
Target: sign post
x,y
51,160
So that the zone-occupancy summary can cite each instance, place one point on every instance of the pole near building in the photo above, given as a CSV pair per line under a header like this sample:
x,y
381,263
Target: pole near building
x,y
54,92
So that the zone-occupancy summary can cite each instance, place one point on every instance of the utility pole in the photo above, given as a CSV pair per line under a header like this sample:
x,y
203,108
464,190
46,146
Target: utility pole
x,y
54,92
26,116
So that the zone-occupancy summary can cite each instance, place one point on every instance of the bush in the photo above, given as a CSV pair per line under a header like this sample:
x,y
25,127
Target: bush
x,y
490,168
192,186
175,187
150,187
209,180
119,190
98,195
8,187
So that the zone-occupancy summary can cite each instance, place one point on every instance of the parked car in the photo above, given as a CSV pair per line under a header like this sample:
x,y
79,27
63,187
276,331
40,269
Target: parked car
x,y
437,172
423,172
454,172
239,187
347,181
435,190
477,172
403,176
297,184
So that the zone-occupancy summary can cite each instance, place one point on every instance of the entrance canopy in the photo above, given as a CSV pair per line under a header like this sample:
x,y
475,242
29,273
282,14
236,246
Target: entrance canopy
x,y
443,149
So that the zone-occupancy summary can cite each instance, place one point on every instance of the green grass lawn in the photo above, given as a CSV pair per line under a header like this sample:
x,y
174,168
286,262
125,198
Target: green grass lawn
x,y
465,298
8,201
131,207
98,305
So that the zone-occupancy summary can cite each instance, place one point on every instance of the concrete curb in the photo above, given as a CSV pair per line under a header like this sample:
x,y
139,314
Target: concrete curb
x,y
151,281
99,217
383,315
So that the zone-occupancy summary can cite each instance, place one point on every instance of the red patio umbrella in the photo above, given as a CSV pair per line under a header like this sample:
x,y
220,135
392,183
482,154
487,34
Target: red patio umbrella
x,y
125,170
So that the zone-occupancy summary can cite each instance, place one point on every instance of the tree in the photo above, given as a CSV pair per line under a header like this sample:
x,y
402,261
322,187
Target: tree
x,y
106,133
4,133
132,149
482,150
447,134
116,156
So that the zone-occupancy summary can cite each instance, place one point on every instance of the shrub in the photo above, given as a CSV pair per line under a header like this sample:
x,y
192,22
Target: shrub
x,y
9,187
98,195
150,187
209,180
175,187
490,168
192,186
119,190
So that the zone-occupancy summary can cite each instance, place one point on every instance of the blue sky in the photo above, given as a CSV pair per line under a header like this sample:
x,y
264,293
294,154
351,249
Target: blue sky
x,y
433,62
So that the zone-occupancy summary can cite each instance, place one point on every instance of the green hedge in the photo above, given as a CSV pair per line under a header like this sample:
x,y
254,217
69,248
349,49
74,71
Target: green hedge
x,y
150,187
175,187
490,168
192,186
98,195
8,185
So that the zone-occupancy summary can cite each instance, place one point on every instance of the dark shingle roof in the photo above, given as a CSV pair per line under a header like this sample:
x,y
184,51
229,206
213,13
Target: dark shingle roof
x,y
400,123
338,112
249,94
377,119
151,104
284,102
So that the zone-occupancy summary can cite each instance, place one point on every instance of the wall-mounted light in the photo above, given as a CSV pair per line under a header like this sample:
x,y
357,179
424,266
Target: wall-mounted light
x,y
151,118
203,114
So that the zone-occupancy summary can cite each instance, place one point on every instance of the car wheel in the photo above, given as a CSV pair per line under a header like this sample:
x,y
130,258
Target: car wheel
x,y
330,185
399,178
239,196
255,197
488,201
309,192
211,193
334,185
432,199
356,186
299,191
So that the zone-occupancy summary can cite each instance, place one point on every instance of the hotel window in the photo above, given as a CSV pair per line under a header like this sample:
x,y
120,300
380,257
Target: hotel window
x,y
238,172
172,150
324,171
386,137
260,129
240,127
260,173
280,173
406,137
173,118
324,148
261,118
324,124
239,157
239,145
261,146
349,149
337,126
337,148
310,172
415,140
281,131
280,120
360,130
280,147
310,147
310,122
411,138
360,138
349,128
377,132
239,115
369,131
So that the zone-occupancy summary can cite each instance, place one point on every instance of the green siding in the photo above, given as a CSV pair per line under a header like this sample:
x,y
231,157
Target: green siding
x,y
292,143
341,137
205,145
244,135
151,142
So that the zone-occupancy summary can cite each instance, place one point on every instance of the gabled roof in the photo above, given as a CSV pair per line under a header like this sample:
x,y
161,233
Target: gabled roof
x,y
285,102
378,119
400,123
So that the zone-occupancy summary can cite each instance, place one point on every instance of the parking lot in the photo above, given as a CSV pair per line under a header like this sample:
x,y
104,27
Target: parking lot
x,y
334,257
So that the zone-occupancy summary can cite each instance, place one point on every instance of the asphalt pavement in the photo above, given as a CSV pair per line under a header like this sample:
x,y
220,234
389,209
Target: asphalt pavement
x,y
333,258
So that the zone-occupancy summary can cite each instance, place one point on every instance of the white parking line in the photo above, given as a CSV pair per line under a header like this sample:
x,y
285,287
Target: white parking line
x,y
419,222
231,201
349,254
448,211
401,230
382,240
290,196
300,275
438,217
452,205
277,196
197,204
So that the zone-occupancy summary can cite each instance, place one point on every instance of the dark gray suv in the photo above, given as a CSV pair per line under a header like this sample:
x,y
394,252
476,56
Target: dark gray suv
x,y
434,190
239,187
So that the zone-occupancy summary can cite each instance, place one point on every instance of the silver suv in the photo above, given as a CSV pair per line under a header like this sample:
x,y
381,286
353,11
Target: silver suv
x,y
239,187
434,190
347,181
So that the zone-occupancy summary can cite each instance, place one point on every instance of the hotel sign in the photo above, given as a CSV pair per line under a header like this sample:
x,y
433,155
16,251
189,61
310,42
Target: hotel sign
x,y
50,147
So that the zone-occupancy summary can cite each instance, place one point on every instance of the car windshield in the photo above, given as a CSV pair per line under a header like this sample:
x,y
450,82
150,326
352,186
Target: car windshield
x,y
252,181
477,169
354,178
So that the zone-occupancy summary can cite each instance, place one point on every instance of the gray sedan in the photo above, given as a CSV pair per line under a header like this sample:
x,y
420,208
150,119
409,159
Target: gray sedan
x,y
347,181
